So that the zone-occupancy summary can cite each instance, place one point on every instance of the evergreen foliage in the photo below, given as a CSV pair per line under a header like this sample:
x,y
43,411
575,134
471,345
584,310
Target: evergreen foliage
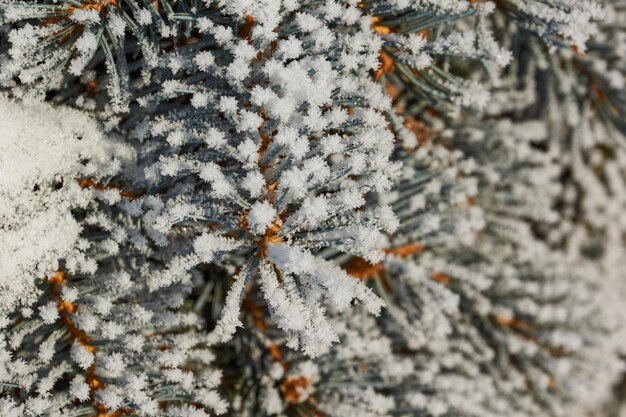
x,y
326,208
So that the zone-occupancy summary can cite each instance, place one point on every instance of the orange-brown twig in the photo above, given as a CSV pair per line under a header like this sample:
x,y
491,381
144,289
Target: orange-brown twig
x,y
66,310
90,183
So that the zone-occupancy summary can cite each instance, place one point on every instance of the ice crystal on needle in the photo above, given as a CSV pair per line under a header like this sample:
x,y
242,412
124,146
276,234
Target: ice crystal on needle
x,y
281,161
73,315
311,208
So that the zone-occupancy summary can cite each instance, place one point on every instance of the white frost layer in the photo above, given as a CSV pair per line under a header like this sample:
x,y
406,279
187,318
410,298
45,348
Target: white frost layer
x,y
44,151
